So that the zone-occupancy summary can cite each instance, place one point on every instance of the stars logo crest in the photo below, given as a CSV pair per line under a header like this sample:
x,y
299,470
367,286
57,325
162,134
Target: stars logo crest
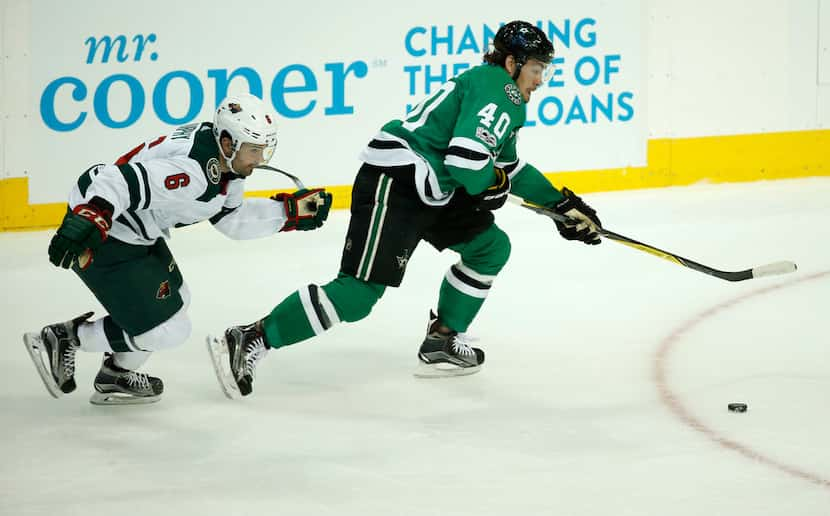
x,y
513,93
403,260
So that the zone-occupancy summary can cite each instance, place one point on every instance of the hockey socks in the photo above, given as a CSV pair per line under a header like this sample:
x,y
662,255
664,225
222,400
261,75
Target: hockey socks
x,y
312,310
463,291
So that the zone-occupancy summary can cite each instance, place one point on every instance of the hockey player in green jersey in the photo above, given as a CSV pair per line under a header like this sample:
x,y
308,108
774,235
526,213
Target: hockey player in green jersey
x,y
113,237
436,175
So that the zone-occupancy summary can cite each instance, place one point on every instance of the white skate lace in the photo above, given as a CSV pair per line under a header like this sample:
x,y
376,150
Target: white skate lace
x,y
138,380
256,351
69,362
461,345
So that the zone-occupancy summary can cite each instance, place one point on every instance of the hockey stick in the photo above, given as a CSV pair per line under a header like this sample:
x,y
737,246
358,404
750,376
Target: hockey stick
x,y
770,269
292,177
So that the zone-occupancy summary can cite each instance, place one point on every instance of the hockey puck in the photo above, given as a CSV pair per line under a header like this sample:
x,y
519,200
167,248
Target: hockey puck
x,y
737,407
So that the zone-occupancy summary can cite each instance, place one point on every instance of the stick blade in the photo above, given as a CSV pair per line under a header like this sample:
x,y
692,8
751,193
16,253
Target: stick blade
x,y
774,269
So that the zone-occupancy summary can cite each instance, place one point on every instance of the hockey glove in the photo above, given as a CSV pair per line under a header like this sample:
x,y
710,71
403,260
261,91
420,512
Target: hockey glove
x,y
496,195
585,230
82,231
305,209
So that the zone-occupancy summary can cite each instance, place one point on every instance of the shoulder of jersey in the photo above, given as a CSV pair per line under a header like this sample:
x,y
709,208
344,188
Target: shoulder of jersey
x,y
205,152
494,82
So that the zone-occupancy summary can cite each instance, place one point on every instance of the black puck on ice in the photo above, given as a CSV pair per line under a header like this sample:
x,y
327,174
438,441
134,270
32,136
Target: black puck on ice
x,y
737,407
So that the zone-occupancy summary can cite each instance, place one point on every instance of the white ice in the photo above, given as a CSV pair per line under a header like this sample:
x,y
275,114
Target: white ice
x,y
604,393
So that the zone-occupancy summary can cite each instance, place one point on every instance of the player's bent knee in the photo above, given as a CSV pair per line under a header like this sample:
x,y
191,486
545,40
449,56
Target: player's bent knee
x,y
488,252
171,333
352,298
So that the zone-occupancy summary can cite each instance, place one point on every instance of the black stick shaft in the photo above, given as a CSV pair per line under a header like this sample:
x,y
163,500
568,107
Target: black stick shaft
x,y
765,270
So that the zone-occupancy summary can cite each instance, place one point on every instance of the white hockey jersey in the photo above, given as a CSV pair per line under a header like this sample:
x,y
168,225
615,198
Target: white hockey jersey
x,y
176,181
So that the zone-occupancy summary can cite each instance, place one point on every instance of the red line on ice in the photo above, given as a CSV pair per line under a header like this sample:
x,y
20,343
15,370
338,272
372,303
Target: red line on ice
x,y
675,404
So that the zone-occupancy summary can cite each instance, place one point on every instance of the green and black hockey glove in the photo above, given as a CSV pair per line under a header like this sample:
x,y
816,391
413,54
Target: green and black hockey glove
x,y
82,231
305,209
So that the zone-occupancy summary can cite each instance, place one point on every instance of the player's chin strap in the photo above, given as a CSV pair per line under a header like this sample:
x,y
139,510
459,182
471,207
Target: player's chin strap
x,y
518,70
229,161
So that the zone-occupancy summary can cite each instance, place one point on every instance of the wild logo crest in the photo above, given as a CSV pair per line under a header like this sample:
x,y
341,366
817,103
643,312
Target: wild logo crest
x,y
213,172
164,290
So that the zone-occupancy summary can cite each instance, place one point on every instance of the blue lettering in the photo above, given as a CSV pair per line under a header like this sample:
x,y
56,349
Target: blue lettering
x,y
488,35
222,80
197,97
557,72
609,68
100,104
578,70
459,67
557,116
140,42
627,108
47,104
279,90
438,40
576,112
584,39
108,43
412,70
439,79
408,41
607,109
555,33
338,85
468,42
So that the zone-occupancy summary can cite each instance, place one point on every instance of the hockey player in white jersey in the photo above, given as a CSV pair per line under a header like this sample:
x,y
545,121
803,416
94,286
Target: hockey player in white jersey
x,y
113,236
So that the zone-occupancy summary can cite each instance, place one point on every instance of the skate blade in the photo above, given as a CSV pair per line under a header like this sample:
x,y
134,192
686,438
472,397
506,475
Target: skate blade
x,y
34,345
120,398
220,357
443,370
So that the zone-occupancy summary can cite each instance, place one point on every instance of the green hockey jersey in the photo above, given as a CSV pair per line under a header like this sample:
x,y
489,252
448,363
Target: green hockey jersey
x,y
456,135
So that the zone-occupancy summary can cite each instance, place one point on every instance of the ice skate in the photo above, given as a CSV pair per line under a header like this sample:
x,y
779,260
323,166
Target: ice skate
x,y
447,354
117,386
58,343
235,357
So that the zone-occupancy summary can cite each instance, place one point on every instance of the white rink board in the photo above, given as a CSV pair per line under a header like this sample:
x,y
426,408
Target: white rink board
x,y
333,72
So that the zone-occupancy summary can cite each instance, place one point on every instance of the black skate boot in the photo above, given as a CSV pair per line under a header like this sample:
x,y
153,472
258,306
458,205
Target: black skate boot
x,y
244,346
445,352
118,386
58,342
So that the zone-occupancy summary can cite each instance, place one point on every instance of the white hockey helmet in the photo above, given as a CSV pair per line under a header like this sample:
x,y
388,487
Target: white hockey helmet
x,y
246,119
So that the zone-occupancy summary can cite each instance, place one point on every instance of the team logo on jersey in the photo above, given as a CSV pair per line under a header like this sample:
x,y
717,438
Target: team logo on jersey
x,y
164,290
513,93
213,172
485,136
